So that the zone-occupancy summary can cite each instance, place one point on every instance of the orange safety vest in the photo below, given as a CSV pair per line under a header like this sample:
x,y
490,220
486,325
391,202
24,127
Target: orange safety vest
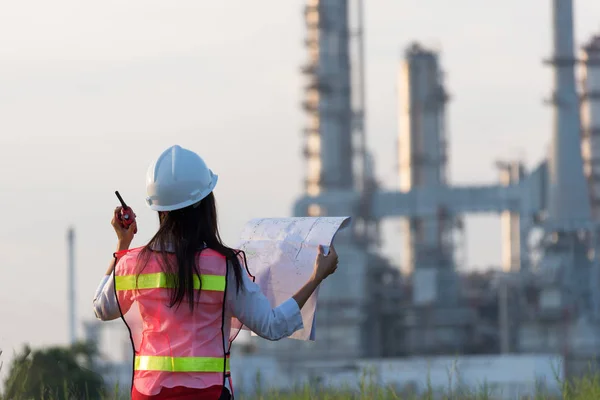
x,y
173,346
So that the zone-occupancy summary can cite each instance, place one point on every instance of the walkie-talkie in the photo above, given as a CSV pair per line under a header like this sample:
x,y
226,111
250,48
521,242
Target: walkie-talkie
x,y
127,216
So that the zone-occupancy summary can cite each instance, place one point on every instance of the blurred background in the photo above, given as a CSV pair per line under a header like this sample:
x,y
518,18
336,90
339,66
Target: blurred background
x,y
469,166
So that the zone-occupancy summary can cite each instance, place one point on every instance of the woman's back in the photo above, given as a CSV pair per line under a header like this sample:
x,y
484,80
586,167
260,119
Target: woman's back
x,y
169,339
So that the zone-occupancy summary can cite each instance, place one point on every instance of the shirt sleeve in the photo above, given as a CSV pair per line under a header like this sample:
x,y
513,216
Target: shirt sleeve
x,y
252,308
105,300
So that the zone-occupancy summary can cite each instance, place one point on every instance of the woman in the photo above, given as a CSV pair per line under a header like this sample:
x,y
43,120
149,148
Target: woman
x,y
185,294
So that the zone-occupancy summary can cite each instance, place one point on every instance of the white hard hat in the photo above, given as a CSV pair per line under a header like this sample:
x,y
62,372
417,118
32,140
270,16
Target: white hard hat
x,y
177,179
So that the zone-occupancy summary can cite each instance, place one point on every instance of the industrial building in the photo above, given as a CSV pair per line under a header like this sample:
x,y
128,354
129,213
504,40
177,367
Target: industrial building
x,y
545,300
547,297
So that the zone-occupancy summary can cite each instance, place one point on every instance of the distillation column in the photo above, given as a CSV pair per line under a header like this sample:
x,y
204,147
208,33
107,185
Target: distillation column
x,y
569,205
329,151
436,322
563,319
330,162
328,143
569,211
590,120
423,164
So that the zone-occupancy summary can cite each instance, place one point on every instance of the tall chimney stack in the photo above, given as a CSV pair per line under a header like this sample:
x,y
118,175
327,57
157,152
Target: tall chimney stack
x,y
569,202
71,284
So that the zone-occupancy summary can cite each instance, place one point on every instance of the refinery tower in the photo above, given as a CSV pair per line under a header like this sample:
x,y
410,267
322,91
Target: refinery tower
x,y
547,292
339,171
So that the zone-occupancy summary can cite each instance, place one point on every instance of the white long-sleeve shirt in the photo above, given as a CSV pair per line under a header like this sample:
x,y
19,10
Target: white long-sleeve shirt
x,y
249,305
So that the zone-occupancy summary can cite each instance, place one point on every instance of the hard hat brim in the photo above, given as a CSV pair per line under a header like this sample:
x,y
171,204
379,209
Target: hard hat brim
x,y
189,202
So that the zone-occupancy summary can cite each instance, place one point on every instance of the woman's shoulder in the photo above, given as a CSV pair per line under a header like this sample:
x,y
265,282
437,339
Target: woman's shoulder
x,y
207,251
129,252
126,261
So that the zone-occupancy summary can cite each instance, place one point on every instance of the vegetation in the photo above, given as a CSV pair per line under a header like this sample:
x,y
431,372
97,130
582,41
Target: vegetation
x,y
66,373
55,373
587,388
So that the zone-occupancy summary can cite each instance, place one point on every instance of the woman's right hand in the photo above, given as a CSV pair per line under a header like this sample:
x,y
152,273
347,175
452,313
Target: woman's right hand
x,y
124,235
325,265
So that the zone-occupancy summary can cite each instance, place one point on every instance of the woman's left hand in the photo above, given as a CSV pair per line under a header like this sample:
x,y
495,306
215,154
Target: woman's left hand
x,y
124,235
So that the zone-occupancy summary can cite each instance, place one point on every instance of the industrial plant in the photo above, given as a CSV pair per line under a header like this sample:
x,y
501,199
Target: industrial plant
x,y
545,301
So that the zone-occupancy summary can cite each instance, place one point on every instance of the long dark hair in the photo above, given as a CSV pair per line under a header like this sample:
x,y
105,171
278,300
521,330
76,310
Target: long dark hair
x,y
186,232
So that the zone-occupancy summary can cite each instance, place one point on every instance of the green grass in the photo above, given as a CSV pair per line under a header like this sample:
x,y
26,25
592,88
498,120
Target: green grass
x,y
365,389
586,388
371,392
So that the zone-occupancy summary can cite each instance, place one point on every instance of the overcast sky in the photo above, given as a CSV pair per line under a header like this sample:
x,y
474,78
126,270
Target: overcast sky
x,y
90,92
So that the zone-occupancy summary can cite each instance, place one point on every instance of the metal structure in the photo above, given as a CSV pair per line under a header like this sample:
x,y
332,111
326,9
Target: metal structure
x,y
337,162
422,148
335,148
71,299
590,118
514,252
429,239
328,102
331,150
553,197
563,314
568,201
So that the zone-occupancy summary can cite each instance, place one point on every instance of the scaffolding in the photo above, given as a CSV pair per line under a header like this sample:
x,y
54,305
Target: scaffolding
x,y
327,97
337,161
590,120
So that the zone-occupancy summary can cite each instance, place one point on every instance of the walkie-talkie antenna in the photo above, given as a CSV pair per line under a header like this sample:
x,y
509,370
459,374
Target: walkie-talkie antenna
x,y
120,199
126,216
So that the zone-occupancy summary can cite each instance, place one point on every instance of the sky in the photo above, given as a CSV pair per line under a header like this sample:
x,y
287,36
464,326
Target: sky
x,y
91,92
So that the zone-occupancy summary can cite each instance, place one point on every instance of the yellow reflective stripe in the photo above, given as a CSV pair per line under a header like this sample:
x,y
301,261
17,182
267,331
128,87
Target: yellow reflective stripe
x,y
210,282
180,364
161,280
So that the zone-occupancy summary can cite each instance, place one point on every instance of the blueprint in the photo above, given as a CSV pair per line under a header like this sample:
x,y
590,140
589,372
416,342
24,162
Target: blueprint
x,y
281,255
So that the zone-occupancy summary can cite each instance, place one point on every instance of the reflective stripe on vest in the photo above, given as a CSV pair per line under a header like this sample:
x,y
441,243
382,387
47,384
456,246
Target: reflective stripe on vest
x,y
180,364
161,280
